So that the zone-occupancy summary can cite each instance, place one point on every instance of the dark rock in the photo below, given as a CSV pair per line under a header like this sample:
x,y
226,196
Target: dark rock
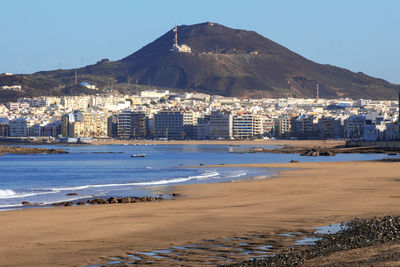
x,y
358,233
72,194
175,195
327,153
97,201
112,200
80,203
294,161
68,204
26,203
125,200
311,153
58,204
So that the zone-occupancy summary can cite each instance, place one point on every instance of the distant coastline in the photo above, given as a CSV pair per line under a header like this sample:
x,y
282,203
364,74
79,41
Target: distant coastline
x,y
29,150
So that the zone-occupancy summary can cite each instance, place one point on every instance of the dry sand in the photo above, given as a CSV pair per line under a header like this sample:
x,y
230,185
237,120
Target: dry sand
x,y
312,194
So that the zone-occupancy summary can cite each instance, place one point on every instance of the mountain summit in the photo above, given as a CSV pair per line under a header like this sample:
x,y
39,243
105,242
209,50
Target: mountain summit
x,y
216,59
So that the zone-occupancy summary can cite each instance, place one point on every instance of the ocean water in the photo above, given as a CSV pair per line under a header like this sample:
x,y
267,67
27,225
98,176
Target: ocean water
x,y
109,170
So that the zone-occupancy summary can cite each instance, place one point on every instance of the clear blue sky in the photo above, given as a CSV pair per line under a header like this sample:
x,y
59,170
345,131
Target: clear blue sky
x,y
361,35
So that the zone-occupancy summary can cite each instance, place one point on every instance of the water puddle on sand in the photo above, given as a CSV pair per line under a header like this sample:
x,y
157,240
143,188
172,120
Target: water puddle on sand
x,y
330,229
321,230
307,241
131,256
293,234
225,250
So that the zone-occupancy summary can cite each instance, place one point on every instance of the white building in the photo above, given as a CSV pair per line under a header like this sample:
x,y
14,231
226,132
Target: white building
x,y
154,93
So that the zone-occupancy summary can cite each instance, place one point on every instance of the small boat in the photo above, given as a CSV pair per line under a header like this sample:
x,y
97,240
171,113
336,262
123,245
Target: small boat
x,y
138,155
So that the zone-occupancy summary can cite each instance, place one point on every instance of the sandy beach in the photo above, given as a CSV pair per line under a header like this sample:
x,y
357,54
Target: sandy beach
x,y
301,196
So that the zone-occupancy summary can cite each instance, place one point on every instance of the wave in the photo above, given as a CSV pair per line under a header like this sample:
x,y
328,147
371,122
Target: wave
x,y
10,206
8,193
205,175
237,174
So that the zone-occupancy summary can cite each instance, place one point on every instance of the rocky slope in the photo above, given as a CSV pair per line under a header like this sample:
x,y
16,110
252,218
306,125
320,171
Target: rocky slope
x,y
223,61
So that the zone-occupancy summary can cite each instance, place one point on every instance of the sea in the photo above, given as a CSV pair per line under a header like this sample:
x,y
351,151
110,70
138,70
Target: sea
x,y
109,170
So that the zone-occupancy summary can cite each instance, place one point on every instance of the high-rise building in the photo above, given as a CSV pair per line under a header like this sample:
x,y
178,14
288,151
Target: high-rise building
x,y
282,127
169,124
243,126
220,125
132,125
112,126
18,127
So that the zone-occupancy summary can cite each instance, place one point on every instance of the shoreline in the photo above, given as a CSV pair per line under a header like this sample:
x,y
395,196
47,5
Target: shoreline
x,y
271,142
302,196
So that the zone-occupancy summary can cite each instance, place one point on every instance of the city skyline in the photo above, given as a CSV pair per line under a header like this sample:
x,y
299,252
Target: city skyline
x,y
44,35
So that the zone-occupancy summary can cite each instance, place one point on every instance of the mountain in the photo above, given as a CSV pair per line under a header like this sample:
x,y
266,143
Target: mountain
x,y
222,61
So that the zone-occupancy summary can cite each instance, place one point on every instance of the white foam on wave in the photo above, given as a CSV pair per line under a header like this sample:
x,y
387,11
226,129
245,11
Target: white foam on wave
x,y
8,193
10,206
238,174
205,175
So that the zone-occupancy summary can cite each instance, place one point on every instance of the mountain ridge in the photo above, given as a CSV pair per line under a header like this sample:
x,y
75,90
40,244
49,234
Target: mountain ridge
x,y
225,61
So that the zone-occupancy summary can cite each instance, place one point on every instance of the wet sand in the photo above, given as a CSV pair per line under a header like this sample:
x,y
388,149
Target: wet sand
x,y
308,195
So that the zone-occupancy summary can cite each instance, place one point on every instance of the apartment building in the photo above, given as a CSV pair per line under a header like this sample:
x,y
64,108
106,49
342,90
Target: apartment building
x,y
132,125
243,126
169,125
220,125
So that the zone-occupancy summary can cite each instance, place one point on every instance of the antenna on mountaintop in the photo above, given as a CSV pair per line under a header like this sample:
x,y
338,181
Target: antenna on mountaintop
x,y
317,91
176,36
76,76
